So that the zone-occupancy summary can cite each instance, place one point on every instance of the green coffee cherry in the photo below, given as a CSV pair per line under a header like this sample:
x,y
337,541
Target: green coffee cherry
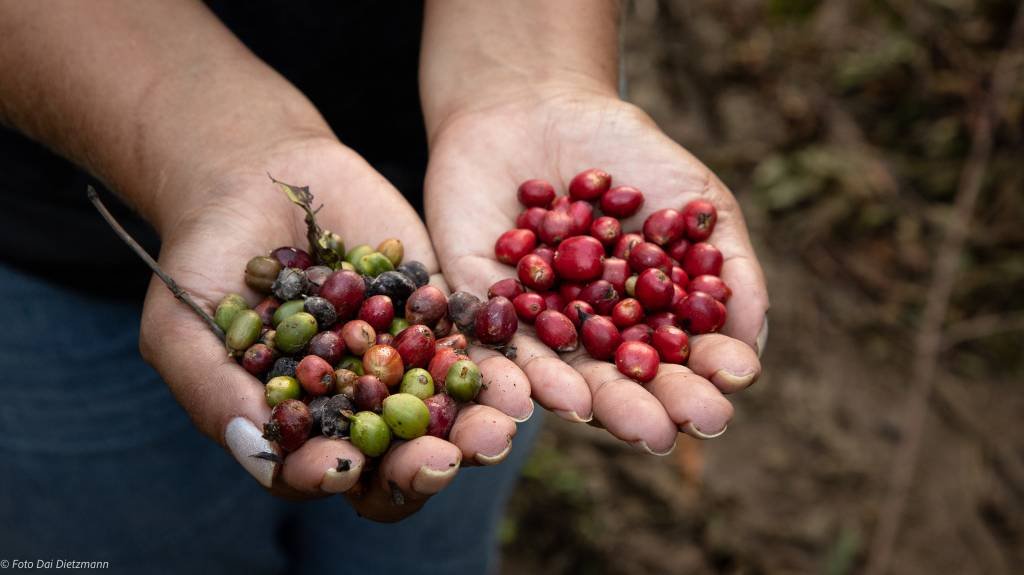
x,y
244,331
369,433
357,252
353,364
227,309
281,388
406,415
463,380
373,264
333,242
294,332
417,381
286,309
397,325
347,266
631,285
393,250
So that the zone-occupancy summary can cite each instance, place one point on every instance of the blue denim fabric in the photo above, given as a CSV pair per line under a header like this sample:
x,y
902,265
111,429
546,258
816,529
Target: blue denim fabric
x,y
99,463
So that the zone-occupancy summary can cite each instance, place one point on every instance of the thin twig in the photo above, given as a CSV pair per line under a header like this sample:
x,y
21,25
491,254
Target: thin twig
x,y
928,343
982,326
178,292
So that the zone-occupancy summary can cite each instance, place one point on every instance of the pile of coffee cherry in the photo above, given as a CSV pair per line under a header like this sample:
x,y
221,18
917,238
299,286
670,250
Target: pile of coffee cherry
x,y
632,297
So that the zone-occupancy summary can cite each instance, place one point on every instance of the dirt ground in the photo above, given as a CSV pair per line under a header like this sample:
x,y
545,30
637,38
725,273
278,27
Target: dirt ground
x,y
843,127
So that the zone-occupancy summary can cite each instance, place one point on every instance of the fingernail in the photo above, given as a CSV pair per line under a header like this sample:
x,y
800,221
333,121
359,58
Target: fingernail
x,y
642,446
429,481
573,416
527,416
733,381
691,429
762,337
245,440
494,459
342,477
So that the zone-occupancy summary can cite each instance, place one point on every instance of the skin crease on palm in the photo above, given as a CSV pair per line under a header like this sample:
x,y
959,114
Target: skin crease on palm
x,y
478,160
206,250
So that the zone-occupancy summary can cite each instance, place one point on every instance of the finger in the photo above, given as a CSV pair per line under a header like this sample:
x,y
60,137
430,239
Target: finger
x,y
223,400
483,434
730,364
323,466
409,473
554,384
505,388
693,403
625,408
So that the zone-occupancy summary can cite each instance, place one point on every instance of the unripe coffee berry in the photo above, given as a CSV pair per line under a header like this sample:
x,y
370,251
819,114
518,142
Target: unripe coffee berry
x,y
295,332
244,331
227,309
260,273
369,433
463,380
287,309
418,382
280,388
392,249
406,415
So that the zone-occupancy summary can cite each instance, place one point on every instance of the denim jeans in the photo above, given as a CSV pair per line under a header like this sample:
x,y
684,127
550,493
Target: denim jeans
x,y
99,463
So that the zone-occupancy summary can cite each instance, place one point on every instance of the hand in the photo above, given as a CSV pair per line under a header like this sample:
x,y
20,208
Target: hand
x,y
223,217
478,158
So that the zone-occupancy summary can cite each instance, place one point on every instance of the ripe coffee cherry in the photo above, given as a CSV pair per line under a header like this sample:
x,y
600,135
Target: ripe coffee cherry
x,y
654,289
385,338
454,341
602,295
576,310
530,219
662,318
528,306
622,202
678,293
327,345
615,272
555,227
385,362
606,230
292,257
265,308
358,335
535,273
627,312
378,311
345,290
315,375
640,332
637,360
290,424
556,331
546,253
553,300
582,214
426,305
316,275
625,245
513,245
442,410
672,344
506,288
443,359
579,258
536,193
258,359
561,204
700,313
648,255
664,226
589,185
711,285
677,249
369,393
496,323
443,327
415,345
702,259
700,217
679,277
569,290
600,336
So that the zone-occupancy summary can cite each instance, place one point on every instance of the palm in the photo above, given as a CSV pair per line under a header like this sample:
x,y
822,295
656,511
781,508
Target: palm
x,y
477,163
206,252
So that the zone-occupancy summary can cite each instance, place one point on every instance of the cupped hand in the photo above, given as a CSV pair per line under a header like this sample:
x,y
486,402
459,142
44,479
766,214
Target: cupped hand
x,y
480,156
223,219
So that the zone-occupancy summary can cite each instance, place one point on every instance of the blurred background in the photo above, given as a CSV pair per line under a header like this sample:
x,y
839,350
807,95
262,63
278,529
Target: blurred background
x,y
859,136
